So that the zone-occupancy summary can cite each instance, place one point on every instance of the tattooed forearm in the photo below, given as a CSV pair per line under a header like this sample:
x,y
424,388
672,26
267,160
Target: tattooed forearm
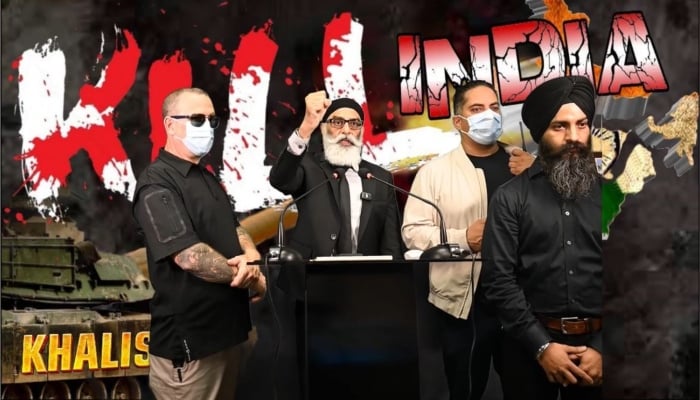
x,y
205,263
247,244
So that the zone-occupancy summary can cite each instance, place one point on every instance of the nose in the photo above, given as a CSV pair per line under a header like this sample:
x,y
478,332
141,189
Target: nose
x,y
574,134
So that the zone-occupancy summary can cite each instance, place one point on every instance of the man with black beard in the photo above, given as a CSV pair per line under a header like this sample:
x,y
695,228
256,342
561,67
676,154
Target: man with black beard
x,y
542,260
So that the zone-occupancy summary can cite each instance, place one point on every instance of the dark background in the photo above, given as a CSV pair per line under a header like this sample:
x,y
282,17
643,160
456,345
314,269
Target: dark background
x,y
651,298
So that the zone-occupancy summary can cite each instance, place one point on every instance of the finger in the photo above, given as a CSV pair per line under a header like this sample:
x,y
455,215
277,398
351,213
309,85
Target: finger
x,y
516,152
580,373
567,377
575,349
551,378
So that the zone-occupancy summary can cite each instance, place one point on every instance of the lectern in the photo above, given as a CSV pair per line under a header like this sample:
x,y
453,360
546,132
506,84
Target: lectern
x,y
360,329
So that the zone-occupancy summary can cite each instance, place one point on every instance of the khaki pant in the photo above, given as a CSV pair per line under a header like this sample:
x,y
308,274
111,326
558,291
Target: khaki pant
x,y
212,378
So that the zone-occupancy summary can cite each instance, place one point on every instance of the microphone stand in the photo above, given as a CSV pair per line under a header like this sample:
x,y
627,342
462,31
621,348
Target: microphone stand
x,y
280,253
444,250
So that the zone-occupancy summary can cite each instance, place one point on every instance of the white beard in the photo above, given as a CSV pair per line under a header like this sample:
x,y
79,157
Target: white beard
x,y
337,154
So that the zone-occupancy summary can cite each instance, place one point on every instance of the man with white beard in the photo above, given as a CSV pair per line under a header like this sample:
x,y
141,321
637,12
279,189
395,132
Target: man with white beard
x,y
348,215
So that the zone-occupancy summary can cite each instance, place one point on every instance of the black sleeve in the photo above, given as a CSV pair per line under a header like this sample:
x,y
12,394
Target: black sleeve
x,y
164,220
391,240
287,174
498,276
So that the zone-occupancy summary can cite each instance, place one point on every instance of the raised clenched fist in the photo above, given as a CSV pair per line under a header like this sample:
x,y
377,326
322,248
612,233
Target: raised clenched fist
x,y
316,105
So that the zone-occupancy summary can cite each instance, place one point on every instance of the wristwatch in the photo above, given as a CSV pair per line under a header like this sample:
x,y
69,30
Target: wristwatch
x,y
541,350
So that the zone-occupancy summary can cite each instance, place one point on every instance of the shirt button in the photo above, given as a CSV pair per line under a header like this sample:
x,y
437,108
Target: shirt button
x,y
333,236
571,272
567,213
568,242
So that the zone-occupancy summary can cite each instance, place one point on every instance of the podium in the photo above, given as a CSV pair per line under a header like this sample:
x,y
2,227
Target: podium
x,y
360,330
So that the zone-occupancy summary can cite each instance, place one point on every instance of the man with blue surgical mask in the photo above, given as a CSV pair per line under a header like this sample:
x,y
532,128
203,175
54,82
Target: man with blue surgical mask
x,y
461,184
197,260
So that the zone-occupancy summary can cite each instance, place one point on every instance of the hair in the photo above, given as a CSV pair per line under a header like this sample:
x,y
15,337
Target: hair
x,y
458,99
172,98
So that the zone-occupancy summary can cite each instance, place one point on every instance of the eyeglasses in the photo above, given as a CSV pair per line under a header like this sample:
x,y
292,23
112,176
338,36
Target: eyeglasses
x,y
338,123
197,120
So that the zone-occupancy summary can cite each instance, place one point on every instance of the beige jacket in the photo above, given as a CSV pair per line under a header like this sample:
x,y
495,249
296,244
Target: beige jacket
x,y
459,190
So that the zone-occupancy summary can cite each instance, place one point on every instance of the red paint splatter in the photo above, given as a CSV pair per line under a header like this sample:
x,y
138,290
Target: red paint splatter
x,y
15,62
170,73
19,78
389,115
225,71
5,221
236,130
6,210
245,142
119,75
389,104
53,153
256,49
213,62
336,30
219,47
101,142
10,78
223,4
287,81
289,70
206,40
162,11
205,51
289,107
19,217
209,168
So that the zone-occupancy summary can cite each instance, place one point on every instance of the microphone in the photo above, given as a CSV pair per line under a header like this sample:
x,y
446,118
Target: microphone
x,y
444,250
281,254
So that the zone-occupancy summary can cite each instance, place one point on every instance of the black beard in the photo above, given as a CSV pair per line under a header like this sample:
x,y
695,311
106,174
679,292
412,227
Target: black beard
x,y
571,170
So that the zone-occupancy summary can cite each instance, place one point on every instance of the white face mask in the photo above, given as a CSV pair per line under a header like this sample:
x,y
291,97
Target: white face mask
x,y
484,127
198,140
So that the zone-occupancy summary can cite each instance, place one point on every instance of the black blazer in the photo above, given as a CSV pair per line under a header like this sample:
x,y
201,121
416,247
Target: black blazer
x,y
318,223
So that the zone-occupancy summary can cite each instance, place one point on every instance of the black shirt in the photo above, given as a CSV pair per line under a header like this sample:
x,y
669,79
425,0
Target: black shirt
x,y
542,255
178,204
496,170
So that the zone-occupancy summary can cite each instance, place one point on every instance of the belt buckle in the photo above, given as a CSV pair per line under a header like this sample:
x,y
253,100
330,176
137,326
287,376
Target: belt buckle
x,y
562,321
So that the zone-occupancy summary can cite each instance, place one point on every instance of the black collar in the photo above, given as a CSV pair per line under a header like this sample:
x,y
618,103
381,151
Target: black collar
x,y
180,165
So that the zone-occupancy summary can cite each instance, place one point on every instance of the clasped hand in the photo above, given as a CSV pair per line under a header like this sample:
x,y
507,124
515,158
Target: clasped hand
x,y
570,365
247,277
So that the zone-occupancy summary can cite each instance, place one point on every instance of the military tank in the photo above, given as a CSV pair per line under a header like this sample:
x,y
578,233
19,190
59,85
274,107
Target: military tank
x,y
75,321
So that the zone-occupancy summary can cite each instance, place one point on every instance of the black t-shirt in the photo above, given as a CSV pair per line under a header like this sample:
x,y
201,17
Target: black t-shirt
x,y
178,204
496,173
495,167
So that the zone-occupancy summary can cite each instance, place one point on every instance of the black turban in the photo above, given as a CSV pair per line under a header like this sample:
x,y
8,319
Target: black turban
x,y
343,103
544,102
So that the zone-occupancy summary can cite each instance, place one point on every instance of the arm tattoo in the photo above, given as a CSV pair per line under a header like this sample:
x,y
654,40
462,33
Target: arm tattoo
x,y
205,263
244,239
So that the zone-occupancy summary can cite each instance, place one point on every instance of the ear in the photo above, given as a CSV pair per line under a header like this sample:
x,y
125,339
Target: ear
x,y
168,125
460,123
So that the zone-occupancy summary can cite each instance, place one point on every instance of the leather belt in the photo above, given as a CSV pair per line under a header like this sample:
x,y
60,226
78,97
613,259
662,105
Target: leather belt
x,y
572,325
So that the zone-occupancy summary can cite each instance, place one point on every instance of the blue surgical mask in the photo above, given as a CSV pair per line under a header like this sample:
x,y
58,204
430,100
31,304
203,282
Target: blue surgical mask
x,y
198,140
484,127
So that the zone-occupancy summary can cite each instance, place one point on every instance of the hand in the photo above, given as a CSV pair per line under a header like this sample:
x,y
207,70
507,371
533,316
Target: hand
x,y
559,367
519,161
475,233
591,362
316,105
258,288
244,275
